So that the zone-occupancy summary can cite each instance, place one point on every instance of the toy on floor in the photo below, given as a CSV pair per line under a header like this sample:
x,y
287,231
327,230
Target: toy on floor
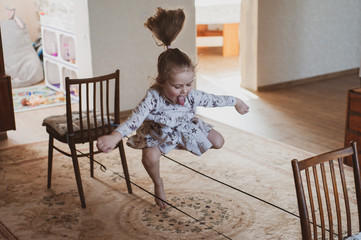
x,y
36,99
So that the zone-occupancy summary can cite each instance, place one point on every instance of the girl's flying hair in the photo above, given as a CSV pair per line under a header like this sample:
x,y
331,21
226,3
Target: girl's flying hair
x,y
165,26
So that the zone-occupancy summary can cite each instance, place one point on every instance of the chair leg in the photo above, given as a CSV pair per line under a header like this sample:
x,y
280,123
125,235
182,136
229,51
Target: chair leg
x,y
50,159
91,153
77,175
125,166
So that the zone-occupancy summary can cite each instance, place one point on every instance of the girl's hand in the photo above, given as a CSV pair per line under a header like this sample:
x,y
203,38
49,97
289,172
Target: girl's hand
x,y
107,143
241,107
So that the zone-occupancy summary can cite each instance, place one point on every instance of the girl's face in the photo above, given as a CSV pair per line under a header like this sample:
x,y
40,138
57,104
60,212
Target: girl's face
x,y
177,88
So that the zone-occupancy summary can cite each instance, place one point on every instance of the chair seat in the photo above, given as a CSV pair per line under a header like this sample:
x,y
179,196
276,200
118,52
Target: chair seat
x,y
59,122
56,125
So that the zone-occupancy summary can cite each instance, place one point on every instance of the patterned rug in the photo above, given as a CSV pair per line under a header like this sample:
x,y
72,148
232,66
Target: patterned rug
x,y
251,163
35,97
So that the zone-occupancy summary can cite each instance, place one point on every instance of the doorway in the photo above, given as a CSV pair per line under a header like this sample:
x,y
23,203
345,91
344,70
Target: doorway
x,y
219,72
217,45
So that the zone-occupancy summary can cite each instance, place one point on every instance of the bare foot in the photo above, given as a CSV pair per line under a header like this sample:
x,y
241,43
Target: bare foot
x,y
159,192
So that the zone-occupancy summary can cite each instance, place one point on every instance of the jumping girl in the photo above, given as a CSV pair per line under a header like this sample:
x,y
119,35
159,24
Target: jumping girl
x,y
165,118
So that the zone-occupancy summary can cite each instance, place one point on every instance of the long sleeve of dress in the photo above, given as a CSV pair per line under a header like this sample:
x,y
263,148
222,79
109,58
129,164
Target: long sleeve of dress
x,y
138,115
204,99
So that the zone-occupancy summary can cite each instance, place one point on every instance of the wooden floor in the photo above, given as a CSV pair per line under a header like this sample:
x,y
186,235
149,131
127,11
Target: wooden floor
x,y
309,116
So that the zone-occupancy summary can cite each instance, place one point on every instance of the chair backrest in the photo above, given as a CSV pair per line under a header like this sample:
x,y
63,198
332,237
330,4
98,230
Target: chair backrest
x,y
331,199
95,96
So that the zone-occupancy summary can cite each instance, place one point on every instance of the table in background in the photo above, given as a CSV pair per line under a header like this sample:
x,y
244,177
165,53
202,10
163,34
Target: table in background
x,y
224,12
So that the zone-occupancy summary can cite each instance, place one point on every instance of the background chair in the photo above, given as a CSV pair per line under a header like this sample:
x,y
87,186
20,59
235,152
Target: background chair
x,y
86,121
330,199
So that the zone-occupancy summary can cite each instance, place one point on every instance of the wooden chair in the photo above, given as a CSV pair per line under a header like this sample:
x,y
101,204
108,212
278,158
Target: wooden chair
x,y
95,96
328,189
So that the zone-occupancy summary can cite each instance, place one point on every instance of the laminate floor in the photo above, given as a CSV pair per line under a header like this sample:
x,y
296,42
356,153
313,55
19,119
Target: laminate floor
x,y
309,116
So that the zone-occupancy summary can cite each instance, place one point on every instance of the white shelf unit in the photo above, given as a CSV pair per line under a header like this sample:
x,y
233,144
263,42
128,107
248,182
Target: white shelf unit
x,y
59,56
57,20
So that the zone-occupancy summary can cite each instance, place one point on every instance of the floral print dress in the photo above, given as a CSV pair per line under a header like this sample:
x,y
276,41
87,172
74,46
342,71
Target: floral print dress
x,y
159,122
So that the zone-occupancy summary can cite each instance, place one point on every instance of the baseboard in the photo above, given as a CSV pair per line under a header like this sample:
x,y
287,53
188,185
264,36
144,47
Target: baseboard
x,y
307,80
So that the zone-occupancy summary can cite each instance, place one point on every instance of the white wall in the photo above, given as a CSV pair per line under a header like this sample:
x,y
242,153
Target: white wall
x,y
301,39
118,40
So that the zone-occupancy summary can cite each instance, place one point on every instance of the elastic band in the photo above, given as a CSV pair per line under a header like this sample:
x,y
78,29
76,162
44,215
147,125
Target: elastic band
x,y
169,47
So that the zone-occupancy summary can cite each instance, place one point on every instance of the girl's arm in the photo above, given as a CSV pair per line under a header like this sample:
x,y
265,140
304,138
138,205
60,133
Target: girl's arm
x,y
204,99
107,143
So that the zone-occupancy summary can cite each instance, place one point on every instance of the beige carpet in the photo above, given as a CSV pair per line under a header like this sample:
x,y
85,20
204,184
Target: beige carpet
x,y
251,163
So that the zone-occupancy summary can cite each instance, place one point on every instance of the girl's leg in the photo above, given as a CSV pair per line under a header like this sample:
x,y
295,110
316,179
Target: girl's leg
x,y
150,160
216,139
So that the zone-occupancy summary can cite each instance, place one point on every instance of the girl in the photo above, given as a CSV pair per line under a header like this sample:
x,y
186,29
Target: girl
x,y
165,119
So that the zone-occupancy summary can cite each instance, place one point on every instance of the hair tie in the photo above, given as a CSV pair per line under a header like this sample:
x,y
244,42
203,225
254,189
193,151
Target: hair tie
x,y
168,47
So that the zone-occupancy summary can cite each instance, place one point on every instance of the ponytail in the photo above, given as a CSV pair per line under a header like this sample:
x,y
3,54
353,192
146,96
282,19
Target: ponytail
x,y
165,26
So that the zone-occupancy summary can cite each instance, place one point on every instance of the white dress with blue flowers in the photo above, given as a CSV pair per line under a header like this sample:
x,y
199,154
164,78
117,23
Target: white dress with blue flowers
x,y
159,122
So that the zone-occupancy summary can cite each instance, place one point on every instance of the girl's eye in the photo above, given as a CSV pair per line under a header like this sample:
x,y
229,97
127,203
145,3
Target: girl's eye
x,y
176,87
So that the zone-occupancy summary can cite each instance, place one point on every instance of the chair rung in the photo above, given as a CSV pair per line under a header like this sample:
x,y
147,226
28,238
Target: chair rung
x,y
61,151
78,155
81,154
